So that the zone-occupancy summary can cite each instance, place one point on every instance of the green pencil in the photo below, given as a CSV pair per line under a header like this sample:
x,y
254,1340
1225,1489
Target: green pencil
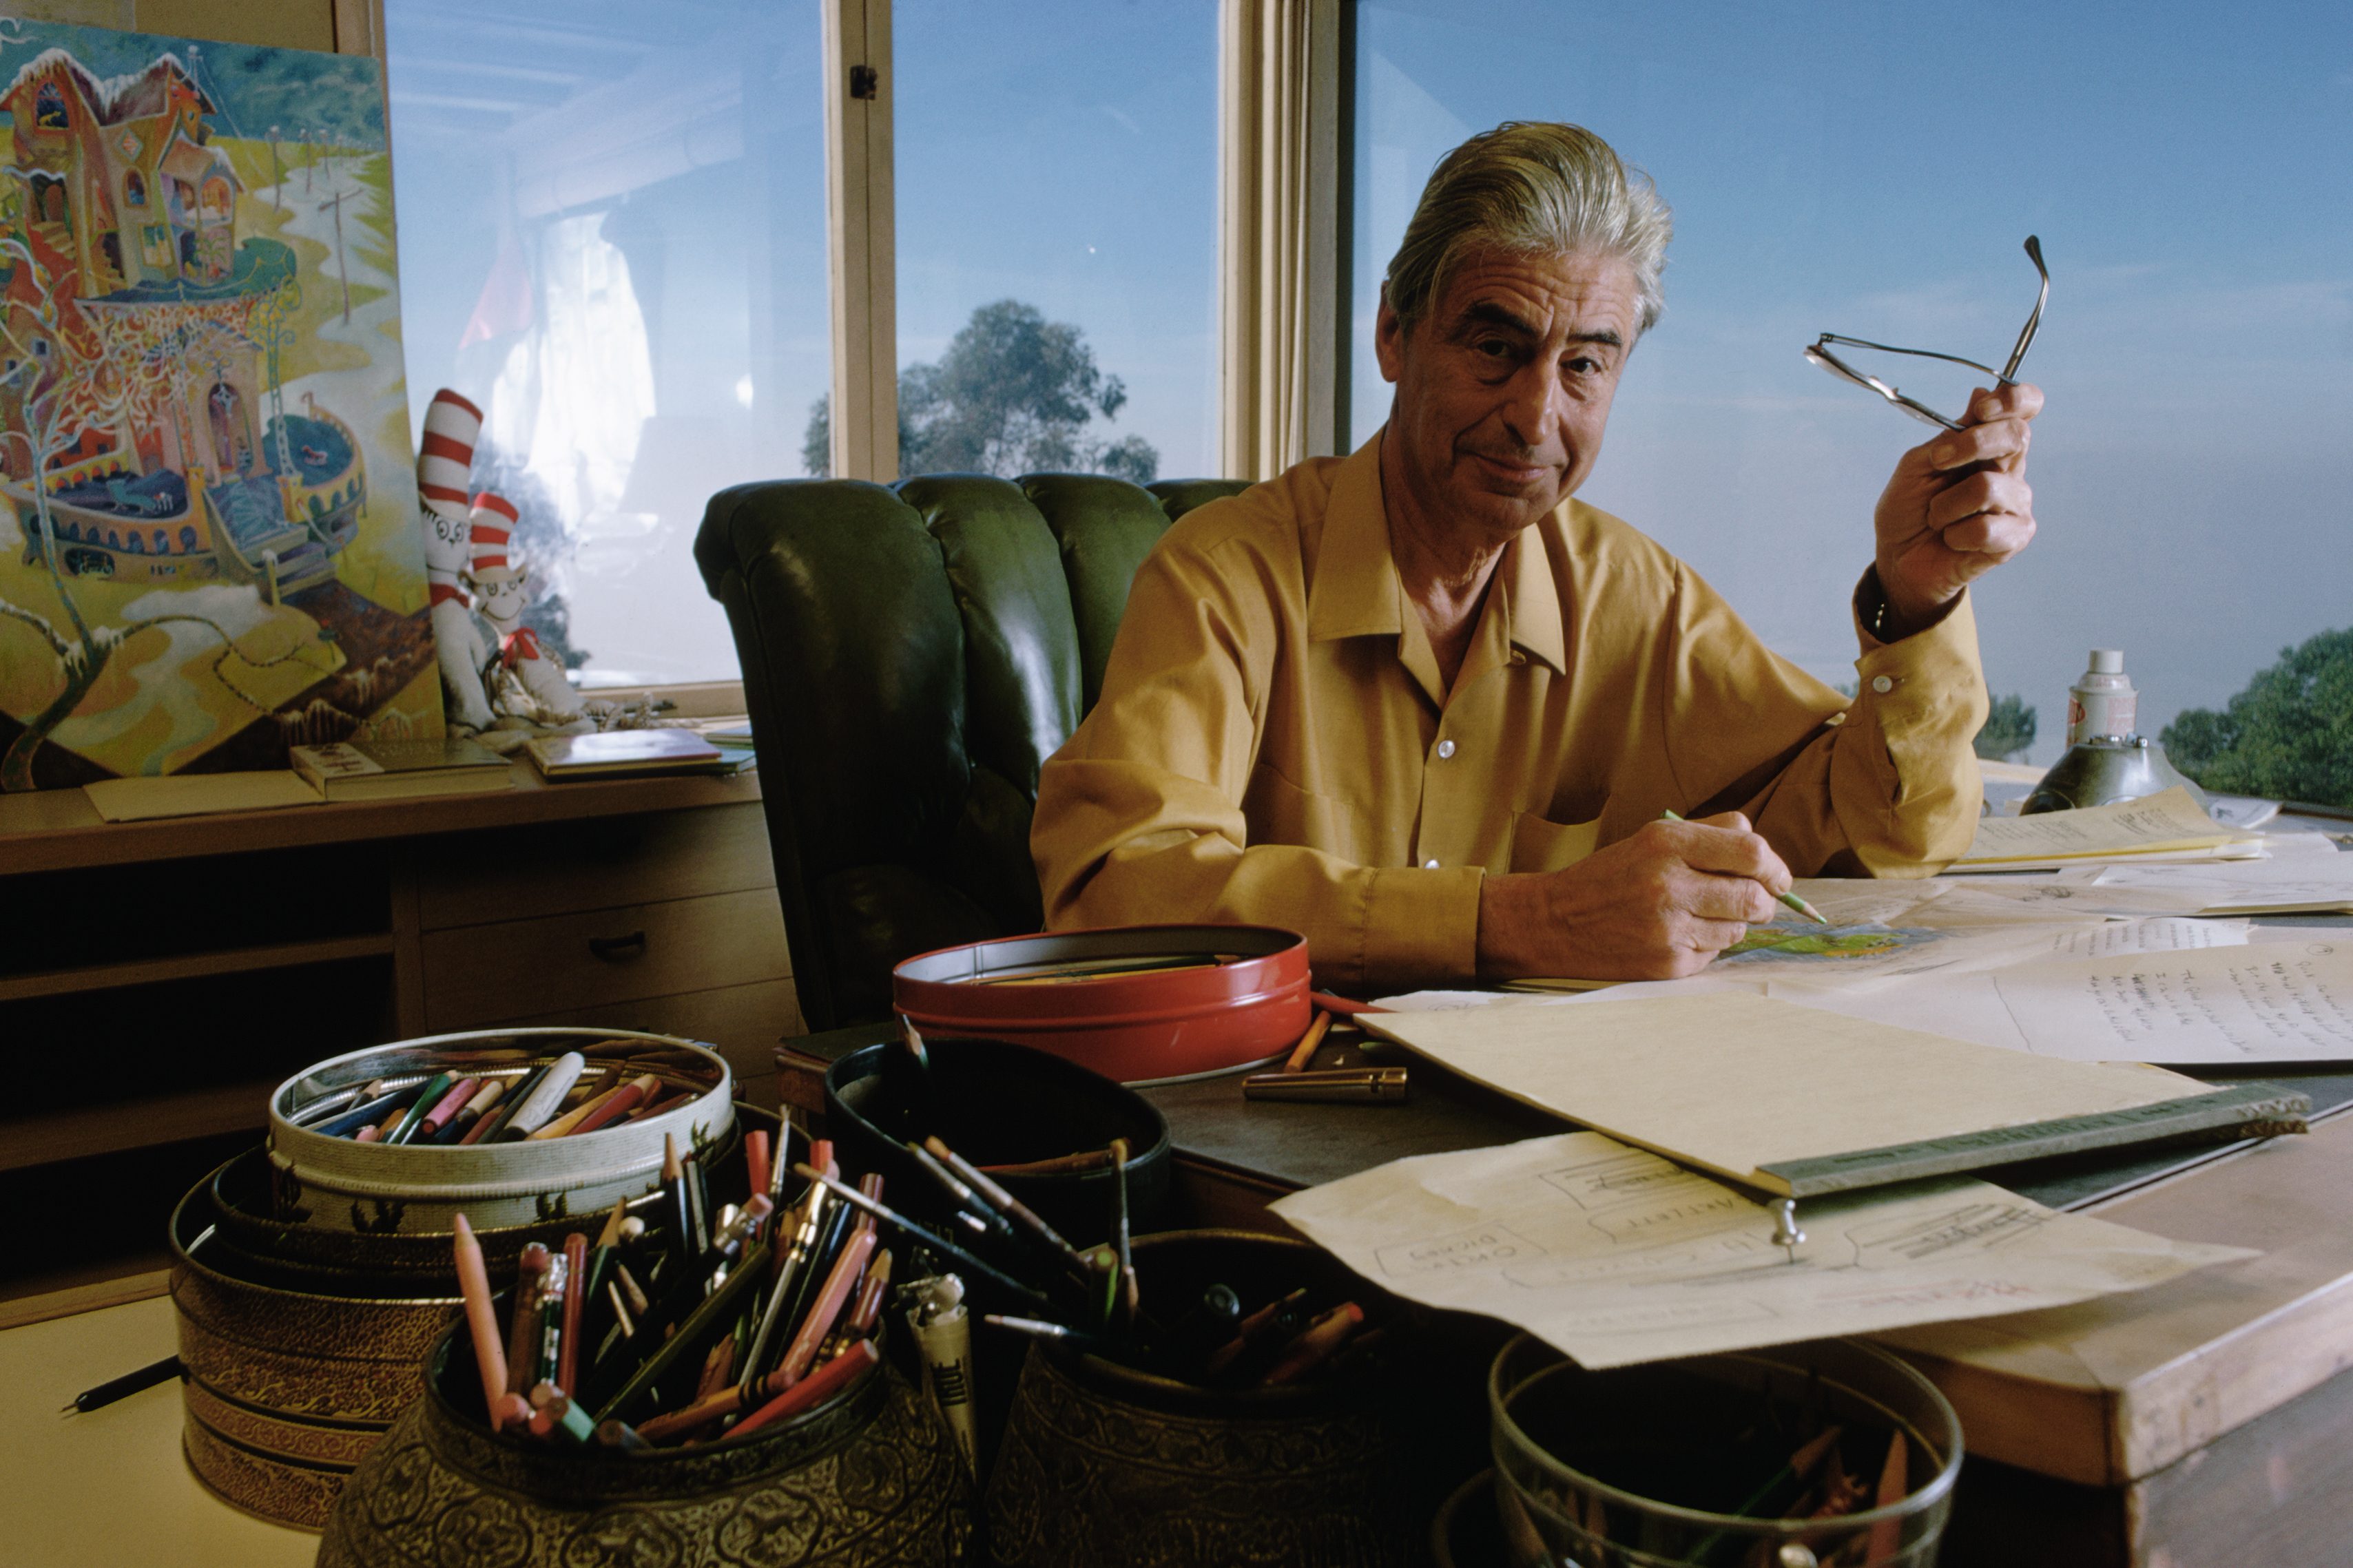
x,y
1791,899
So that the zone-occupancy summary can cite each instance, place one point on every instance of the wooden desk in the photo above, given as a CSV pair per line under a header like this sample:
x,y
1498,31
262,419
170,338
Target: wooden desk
x,y
203,959
2201,1422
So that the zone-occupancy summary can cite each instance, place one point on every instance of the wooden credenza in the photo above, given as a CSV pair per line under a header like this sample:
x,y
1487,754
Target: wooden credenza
x,y
157,979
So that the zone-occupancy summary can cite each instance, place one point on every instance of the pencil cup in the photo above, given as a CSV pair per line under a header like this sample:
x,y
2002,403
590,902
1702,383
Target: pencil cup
x,y
1780,1456
869,1479
999,1104
1106,1464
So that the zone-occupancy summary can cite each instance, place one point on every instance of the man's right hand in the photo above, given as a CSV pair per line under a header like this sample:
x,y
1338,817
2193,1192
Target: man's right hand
x,y
1656,906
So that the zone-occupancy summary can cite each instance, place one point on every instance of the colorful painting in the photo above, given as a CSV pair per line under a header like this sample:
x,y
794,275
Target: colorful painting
x,y
208,539
1831,945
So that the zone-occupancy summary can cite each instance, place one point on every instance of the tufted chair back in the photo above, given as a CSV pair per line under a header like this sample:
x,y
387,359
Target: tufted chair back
x,y
912,655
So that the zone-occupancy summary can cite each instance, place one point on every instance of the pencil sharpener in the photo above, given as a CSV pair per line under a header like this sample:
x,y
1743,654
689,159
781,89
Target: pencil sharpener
x,y
2106,769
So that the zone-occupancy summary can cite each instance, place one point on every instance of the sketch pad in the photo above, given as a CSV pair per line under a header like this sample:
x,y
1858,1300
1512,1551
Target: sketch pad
x,y
1789,1100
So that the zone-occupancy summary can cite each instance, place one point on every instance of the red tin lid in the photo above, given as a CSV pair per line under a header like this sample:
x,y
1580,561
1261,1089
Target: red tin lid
x,y
1244,998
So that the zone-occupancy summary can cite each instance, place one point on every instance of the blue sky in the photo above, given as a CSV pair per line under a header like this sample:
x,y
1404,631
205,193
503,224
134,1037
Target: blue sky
x,y
1871,170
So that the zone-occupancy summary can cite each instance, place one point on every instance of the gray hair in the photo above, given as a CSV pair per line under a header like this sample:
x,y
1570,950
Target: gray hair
x,y
1531,189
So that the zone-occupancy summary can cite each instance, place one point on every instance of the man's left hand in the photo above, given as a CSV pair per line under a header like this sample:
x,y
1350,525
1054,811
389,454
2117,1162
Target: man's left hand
x,y
1958,507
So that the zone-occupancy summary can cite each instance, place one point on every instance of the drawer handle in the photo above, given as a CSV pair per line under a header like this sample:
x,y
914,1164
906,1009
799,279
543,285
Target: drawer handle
x,y
614,949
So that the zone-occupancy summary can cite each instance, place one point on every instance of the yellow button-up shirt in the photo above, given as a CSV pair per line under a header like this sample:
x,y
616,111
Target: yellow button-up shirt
x,y
1274,744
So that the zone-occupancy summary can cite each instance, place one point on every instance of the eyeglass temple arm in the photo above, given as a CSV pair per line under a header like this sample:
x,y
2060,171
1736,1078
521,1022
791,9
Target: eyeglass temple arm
x,y
1914,353
2026,333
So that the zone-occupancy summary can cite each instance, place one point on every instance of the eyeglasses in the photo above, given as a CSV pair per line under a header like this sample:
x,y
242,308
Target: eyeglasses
x,y
1837,367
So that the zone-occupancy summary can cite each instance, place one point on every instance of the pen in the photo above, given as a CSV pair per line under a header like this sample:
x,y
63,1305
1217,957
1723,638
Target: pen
x,y
921,1236
812,1390
576,1303
533,1110
1385,1085
1129,1296
1009,1205
426,1100
1790,899
124,1387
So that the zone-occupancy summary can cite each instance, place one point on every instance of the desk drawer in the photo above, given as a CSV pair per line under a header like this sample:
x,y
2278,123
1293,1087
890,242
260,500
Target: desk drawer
x,y
478,975
558,867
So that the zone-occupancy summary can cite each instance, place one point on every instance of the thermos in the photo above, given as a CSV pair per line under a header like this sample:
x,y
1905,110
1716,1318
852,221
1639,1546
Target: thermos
x,y
2102,702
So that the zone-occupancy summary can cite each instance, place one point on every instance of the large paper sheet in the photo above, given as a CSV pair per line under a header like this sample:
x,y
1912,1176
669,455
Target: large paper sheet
x,y
1734,1082
2171,822
1616,1256
2274,1003
1879,954
2281,886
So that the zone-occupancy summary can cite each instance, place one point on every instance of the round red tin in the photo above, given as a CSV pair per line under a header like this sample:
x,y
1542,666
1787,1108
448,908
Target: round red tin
x,y
1133,1026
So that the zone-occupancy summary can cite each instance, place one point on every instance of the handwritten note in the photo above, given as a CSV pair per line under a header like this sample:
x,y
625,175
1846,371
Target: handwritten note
x,y
2287,1000
1616,1256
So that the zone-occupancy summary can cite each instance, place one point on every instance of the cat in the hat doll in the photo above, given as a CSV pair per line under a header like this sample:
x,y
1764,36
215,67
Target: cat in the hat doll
x,y
529,685
445,463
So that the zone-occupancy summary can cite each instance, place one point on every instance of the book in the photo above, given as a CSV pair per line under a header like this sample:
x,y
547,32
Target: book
x,y
194,795
624,753
394,770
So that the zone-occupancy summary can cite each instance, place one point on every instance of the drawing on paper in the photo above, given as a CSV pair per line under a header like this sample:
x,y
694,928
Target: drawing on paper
x,y
208,548
1829,944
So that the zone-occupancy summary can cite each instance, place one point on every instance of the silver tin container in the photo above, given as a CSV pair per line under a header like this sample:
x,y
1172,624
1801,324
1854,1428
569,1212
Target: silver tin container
x,y
378,1189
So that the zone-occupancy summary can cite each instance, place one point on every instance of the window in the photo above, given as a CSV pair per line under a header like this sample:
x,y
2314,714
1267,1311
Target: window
x,y
1057,235
134,189
612,239
1872,171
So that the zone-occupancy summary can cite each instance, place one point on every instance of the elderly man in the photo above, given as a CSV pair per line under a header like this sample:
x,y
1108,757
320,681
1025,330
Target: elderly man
x,y
1421,706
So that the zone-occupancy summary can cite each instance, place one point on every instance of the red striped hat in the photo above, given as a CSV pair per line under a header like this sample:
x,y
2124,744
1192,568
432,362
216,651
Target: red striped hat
x,y
492,525
445,457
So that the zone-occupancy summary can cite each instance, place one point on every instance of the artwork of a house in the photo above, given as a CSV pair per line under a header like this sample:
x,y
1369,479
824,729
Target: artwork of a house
x,y
202,428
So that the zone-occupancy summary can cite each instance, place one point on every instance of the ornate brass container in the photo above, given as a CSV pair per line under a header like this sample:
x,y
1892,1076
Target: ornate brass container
x,y
869,1479
1104,1464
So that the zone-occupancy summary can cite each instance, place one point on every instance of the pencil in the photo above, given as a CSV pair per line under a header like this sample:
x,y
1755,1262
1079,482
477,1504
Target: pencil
x,y
1789,900
1304,1052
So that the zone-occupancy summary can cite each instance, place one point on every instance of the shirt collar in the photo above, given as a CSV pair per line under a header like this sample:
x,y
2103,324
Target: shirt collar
x,y
1356,591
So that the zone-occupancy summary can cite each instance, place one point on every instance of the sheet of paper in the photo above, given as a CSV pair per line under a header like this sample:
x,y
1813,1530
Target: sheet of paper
x,y
2274,1002
1876,954
1734,1082
1616,1256
2296,882
2170,821
195,794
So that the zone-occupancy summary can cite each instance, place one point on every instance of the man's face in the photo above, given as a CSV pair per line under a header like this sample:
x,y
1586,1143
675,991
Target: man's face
x,y
1503,386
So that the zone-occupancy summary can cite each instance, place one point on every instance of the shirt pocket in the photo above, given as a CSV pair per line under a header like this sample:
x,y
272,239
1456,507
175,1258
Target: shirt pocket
x,y
1540,844
1276,811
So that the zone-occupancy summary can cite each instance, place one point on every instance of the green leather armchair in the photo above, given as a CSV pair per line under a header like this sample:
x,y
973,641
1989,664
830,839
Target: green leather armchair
x,y
912,655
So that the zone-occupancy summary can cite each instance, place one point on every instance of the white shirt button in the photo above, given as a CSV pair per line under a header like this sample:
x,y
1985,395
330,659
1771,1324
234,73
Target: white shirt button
x,y
1429,865
1445,749
1882,683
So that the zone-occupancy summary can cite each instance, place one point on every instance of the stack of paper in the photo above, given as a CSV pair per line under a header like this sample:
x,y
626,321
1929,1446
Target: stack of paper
x,y
2171,825
1788,1100
2278,1001
1615,1256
